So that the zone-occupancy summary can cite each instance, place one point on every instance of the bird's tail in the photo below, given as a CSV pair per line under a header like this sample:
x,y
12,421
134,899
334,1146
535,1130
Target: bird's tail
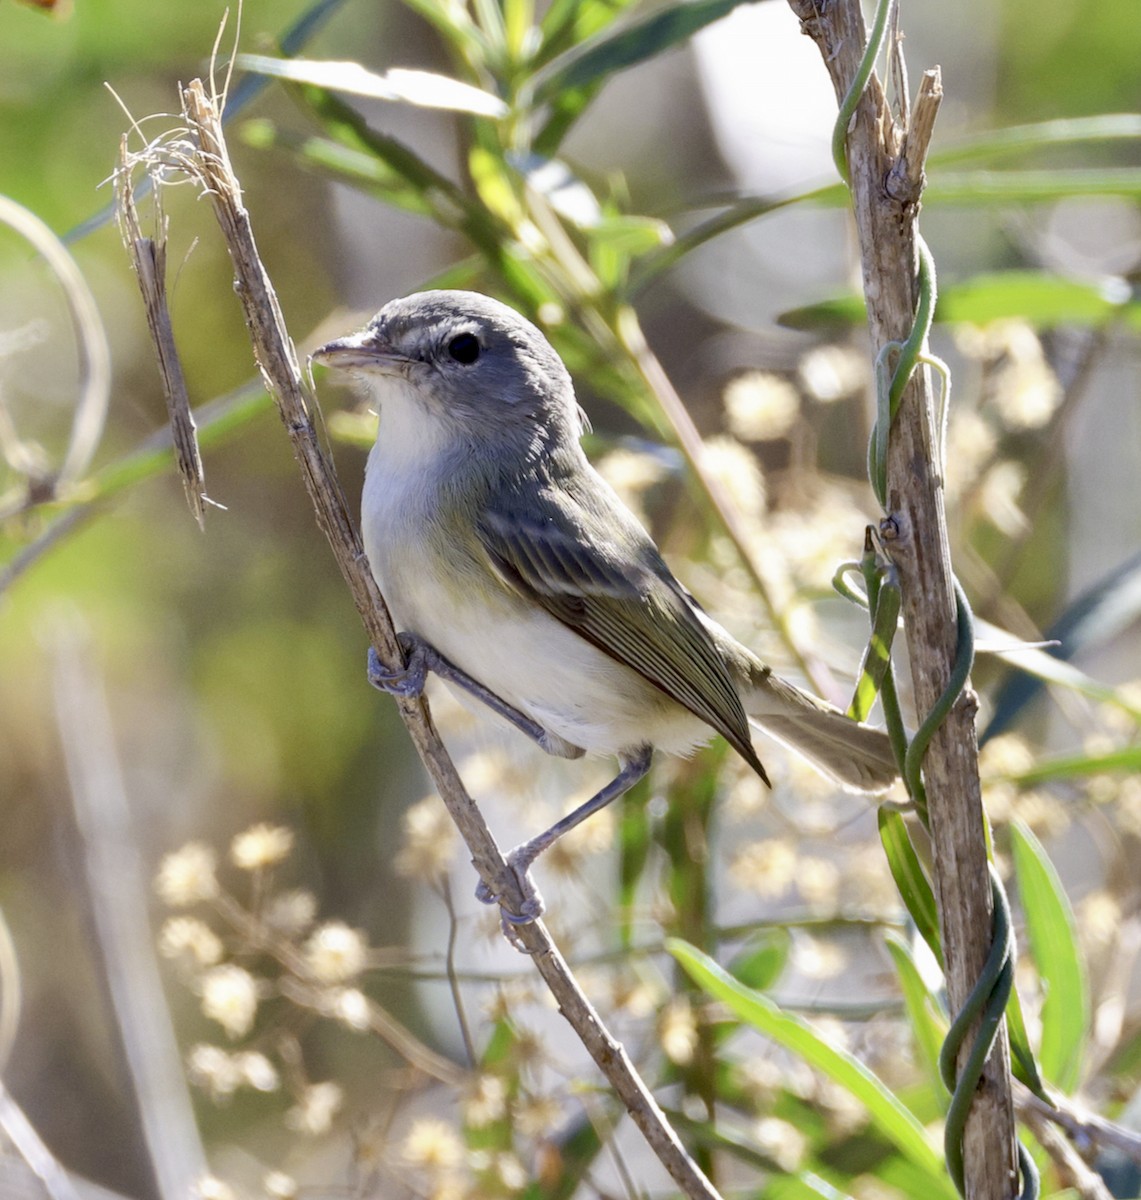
x,y
857,757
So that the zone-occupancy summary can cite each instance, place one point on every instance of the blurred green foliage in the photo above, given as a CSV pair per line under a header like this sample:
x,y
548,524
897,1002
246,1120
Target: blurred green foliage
x,y
234,665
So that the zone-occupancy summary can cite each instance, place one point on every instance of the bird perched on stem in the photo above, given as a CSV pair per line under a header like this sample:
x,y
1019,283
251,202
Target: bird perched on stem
x,y
517,574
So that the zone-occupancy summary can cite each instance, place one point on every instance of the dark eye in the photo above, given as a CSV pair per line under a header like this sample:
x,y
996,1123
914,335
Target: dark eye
x,y
464,348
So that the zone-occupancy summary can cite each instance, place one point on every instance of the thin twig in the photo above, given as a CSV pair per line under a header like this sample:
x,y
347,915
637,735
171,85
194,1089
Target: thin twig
x,y
1073,1171
208,162
1085,1129
90,336
118,893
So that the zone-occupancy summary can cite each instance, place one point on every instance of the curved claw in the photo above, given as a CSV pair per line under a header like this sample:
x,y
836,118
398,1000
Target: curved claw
x,y
408,682
531,909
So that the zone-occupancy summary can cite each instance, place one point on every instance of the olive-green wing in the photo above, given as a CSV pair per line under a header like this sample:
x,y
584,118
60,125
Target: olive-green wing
x,y
563,554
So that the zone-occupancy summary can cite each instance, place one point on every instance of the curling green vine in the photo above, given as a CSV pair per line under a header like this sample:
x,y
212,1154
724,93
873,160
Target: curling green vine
x,y
895,364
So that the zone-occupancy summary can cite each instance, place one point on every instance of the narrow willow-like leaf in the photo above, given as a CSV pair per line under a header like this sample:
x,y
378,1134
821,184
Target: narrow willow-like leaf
x,y
928,1021
891,1117
910,879
368,172
806,1186
1017,139
1043,299
1077,765
568,23
877,653
760,963
424,89
1053,942
615,49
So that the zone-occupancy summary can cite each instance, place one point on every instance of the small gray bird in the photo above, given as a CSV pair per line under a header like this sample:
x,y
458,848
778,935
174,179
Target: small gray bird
x,y
519,576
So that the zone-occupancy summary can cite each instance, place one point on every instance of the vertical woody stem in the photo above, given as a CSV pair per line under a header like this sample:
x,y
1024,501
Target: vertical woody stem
x,y
886,179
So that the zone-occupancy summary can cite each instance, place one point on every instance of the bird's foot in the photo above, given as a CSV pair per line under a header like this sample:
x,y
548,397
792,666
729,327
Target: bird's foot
x,y
409,681
532,906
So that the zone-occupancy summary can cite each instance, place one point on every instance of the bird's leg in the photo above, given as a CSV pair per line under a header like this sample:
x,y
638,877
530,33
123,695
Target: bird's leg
x,y
634,766
421,658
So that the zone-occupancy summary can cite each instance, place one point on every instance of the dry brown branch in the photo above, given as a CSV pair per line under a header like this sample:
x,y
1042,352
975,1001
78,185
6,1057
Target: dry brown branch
x,y
886,227
208,163
1073,1171
148,258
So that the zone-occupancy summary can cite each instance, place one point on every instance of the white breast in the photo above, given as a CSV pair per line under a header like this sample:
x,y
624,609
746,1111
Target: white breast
x,y
524,655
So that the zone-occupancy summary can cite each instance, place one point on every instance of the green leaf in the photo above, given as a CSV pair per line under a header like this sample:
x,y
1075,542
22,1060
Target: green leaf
x,y
806,1186
1029,187
1039,297
368,172
1017,139
1043,299
1022,1059
1053,942
928,1021
615,241
890,1116
910,879
1076,765
424,89
760,963
615,49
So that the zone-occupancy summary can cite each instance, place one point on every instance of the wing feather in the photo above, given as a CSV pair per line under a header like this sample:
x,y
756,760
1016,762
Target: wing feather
x,y
559,549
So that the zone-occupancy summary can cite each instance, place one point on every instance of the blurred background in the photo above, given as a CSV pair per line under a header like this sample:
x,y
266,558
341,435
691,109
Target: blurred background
x,y
196,683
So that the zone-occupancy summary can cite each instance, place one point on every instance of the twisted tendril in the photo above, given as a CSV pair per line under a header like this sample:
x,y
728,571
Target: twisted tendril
x,y
894,366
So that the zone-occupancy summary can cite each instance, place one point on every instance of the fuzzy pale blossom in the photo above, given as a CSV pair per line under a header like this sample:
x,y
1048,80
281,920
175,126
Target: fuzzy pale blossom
x,y
291,912
631,473
677,1031
818,880
214,1070
279,1186
433,1145
188,876
537,1116
487,1101
512,1174
767,867
230,997
780,1141
335,953
210,1187
189,941
429,841
315,1109
760,406
738,472
1007,754
351,1007
830,373
261,846
818,959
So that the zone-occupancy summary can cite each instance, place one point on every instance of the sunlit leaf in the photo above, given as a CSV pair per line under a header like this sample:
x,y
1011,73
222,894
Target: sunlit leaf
x,y
1018,139
1053,942
1043,299
1075,766
913,885
888,1113
806,1186
760,963
425,89
616,49
1027,187
925,1015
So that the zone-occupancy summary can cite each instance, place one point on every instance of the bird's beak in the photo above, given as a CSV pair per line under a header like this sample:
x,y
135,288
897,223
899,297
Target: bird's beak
x,y
362,350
